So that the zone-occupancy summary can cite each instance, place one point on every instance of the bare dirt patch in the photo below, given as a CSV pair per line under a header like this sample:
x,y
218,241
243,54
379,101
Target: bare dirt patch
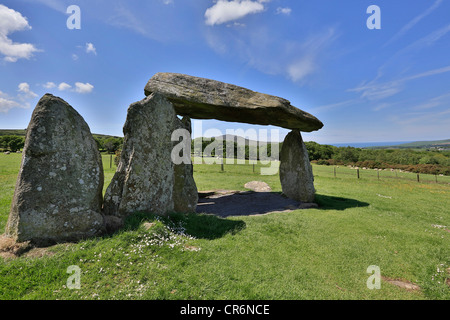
x,y
404,284
10,249
38,253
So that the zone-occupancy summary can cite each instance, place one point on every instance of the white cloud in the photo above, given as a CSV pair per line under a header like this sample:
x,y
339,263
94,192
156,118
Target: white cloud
x,y
442,100
125,18
90,48
8,104
11,21
49,85
306,62
413,118
377,91
21,100
427,73
79,87
225,11
74,57
64,86
335,105
264,49
24,88
414,21
401,60
301,68
286,11
236,24
83,87
428,40
382,91
57,5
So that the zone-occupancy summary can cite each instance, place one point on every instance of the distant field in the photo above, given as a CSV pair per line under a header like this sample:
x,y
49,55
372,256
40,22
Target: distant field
x,y
381,175
398,224
420,145
13,132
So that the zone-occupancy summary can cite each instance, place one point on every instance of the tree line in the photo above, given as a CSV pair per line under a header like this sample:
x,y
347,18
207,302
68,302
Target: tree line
x,y
419,161
423,161
12,143
209,147
108,144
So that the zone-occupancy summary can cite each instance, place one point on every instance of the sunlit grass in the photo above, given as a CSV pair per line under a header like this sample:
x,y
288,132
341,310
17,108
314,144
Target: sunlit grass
x,y
399,225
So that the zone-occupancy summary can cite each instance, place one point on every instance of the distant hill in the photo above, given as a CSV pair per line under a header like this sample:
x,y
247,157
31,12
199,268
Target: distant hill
x,y
229,137
13,132
23,132
104,136
436,144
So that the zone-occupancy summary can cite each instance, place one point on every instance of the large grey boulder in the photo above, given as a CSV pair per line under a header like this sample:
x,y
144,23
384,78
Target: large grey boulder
x,y
296,176
58,194
209,99
146,178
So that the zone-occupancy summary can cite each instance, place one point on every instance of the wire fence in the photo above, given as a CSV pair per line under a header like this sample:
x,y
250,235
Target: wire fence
x,y
338,171
254,167
378,174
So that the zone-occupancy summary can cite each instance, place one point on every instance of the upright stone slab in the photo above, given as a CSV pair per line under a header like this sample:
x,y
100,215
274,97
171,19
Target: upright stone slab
x,y
296,176
58,194
146,178
185,193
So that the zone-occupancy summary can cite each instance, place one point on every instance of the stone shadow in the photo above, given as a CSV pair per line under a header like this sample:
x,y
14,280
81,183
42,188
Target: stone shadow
x,y
338,203
200,226
245,203
207,226
236,203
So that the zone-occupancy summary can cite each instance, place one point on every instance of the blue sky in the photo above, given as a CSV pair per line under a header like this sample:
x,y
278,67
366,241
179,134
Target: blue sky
x,y
366,85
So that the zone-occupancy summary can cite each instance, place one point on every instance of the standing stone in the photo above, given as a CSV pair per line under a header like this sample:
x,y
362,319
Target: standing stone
x,y
145,179
297,181
58,194
185,193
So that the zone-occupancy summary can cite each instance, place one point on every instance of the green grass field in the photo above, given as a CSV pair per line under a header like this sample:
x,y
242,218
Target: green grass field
x,y
397,224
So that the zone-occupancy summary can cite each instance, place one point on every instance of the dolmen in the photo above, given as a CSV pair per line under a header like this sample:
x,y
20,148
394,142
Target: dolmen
x,y
58,194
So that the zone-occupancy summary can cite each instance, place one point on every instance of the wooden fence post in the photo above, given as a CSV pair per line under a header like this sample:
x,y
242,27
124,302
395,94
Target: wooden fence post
x,y
335,172
418,179
357,172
